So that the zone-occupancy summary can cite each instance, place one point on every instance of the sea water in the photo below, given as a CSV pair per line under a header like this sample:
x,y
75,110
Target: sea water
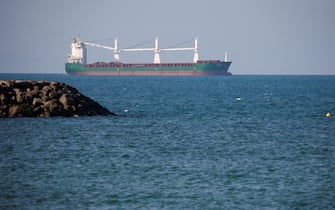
x,y
240,142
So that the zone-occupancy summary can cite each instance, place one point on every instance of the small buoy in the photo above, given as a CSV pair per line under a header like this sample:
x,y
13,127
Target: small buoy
x,y
328,114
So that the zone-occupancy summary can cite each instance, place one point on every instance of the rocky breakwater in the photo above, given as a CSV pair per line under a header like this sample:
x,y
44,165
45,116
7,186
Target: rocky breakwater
x,y
45,99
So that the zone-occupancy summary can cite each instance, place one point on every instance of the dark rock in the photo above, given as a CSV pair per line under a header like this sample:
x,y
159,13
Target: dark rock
x,y
45,99
20,110
67,100
37,102
53,106
19,95
36,91
13,111
38,111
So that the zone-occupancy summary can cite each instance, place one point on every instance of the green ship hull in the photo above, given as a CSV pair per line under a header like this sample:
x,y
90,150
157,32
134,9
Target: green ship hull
x,y
201,68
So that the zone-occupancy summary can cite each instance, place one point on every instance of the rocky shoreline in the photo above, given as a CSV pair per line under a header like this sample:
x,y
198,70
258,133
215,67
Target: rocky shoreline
x,y
19,98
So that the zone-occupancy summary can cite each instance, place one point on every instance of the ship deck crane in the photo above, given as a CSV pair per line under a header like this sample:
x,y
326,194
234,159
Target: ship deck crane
x,y
115,48
156,50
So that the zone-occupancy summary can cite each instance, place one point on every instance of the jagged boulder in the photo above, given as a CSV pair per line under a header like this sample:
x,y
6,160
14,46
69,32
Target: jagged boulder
x,y
45,99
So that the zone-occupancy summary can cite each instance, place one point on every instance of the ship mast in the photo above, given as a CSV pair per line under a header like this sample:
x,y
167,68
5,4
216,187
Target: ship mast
x,y
116,51
157,59
196,52
226,57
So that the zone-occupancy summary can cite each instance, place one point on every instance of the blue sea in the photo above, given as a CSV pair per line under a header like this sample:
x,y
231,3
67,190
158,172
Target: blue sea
x,y
240,142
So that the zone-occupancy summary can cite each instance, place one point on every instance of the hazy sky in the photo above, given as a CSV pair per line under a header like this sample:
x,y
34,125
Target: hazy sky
x,y
261,36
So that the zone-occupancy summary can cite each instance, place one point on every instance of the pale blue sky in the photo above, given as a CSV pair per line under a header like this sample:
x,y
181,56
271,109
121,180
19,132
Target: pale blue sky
x,y
261,36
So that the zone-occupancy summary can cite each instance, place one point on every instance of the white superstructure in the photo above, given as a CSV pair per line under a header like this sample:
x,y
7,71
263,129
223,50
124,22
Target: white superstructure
x,y
78,52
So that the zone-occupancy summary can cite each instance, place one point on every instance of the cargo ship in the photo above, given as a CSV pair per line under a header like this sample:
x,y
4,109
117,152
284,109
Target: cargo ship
x,y
77,62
